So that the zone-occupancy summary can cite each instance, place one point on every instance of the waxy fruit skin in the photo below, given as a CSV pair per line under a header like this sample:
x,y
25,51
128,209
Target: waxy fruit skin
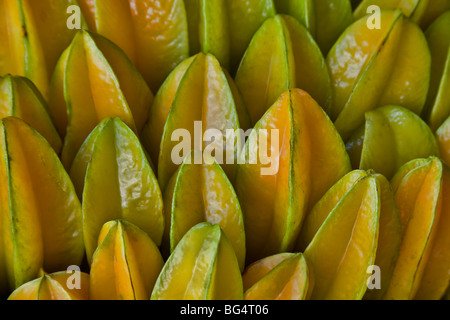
x,y
437,108
224,28
54,286
246,150
203,266
198,90
421,12
390,137
40,214
115,180
281,56
198,193
153,34
324,19
350,199
284,276
33,35
344,247
125,264
311,158
93,80
370,68
421,189
20,98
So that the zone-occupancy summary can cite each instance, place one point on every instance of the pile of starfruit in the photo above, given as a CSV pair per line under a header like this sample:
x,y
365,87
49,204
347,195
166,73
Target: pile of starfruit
x,y
225,149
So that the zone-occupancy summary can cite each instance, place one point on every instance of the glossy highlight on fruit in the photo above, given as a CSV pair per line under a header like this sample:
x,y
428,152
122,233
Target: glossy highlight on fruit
x,y
202,192
421,191
114,180
153,34
311,158
281,56
345,199
20,98
200,150
203,266
33,35
390,137
40,211
199,91
370,68
93,80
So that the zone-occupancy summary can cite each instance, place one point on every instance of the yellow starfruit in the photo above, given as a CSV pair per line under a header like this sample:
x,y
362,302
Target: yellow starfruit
x,y
114,180
390,137
40,215
93,80
152,33
307,156
33,35
197,96
374,67
341,200
284,276
20,98
324,19
125,265
282,55
421,190
203,266
55,286
198,193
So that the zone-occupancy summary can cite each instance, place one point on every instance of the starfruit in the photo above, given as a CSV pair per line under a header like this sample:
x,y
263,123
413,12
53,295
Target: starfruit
x,y
284,276
358,210
344,246
198,193
307,156
244,19
443,139
422,271
125,265
371,68
203,266
224,28
281,56
390,137
324,19
40,217
437,108
33,34
208,28
114,179
55,286
422,12
20,98
153,34
93,80
198,91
